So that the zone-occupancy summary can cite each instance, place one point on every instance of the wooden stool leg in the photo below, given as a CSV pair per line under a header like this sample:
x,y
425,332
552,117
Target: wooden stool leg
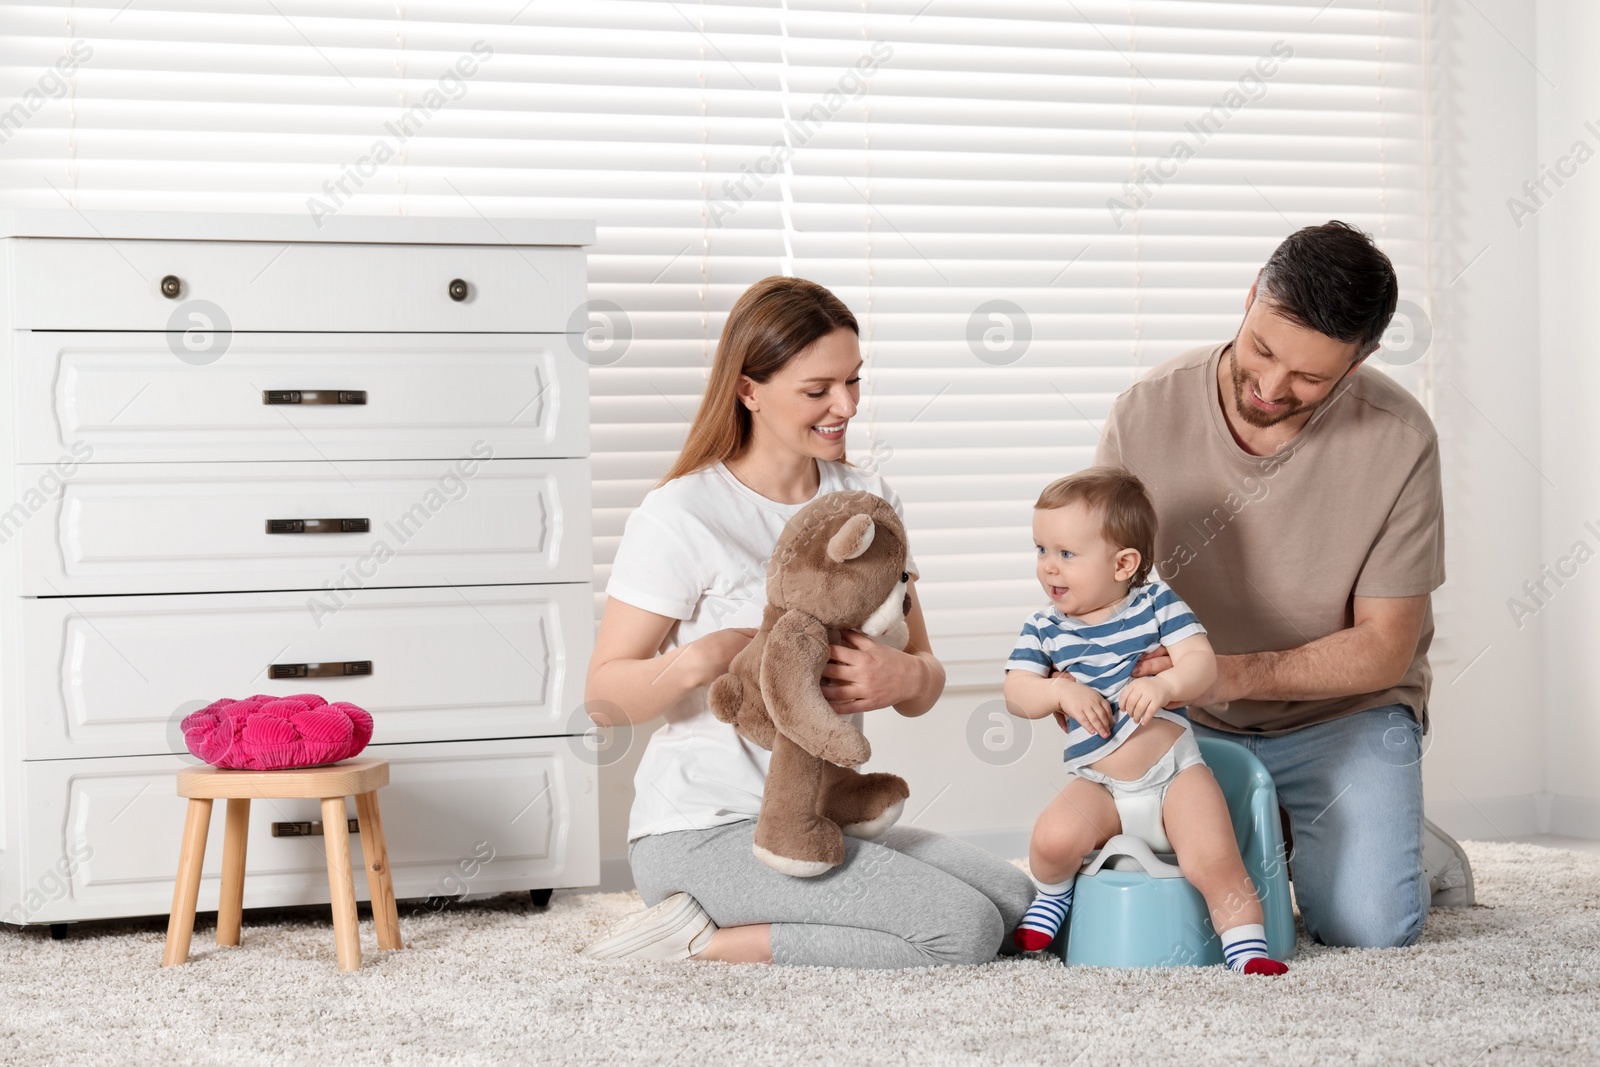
x,y
235,840
341,884
186,893
380,883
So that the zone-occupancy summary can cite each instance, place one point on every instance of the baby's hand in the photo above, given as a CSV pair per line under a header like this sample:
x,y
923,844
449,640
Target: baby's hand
x,y
1084,704
1143,697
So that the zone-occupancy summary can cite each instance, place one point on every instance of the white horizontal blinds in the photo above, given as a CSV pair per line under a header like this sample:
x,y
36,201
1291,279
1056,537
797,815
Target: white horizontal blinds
x,y
933,157
234,103
999,139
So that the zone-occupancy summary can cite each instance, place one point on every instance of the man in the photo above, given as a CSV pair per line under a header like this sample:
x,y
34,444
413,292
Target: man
x,y
1301,518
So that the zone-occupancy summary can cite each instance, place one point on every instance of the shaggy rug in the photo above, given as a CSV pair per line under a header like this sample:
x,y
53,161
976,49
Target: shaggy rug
x,y
1514,980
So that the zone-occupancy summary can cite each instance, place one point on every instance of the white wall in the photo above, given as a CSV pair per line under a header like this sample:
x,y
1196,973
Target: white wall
x,y
1569,371
1484,771
1497,763
1520,736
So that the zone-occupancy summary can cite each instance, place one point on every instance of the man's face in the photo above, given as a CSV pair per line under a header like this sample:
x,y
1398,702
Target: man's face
x,y
1281,369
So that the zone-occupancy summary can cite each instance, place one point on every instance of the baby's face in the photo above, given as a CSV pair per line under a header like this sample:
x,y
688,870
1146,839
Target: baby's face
x,y
1076,565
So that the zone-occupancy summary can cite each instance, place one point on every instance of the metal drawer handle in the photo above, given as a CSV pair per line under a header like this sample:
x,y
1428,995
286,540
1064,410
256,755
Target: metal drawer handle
x,y
313,396
318,526
171,286
306,829
332,669
458,290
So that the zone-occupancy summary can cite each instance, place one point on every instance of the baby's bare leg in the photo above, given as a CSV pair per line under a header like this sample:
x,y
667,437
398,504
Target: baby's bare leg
x,y
1196,818
1197,822
1080,818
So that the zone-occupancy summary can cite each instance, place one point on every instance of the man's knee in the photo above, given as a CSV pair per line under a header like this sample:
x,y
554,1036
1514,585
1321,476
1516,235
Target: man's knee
x,y
1364,922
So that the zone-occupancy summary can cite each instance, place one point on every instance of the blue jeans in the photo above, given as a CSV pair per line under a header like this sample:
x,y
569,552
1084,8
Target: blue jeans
x,y
1353,791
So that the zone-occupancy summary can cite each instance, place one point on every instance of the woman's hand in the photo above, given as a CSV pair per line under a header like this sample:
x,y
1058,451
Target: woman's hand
x,y
705,659
867,675
631,681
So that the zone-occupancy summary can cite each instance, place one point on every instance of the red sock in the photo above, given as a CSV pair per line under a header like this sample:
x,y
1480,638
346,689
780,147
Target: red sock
x,y
1262,965
1032,940
1044,917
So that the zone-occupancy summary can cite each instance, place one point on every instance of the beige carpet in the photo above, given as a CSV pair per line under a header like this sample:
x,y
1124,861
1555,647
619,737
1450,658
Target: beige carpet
x,y
1514,980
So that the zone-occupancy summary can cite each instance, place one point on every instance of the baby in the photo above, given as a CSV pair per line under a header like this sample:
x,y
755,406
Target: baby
x,y
1095,536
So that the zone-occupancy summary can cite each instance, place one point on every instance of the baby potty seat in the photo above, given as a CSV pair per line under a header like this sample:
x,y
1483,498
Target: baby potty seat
x,y
1132,907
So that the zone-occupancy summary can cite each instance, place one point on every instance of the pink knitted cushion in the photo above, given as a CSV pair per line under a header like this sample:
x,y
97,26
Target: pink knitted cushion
x,y
268,733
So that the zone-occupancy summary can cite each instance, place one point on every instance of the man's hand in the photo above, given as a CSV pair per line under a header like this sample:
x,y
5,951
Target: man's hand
x,y
1143,697
1222,690
1228,686
1082,703
1369,656
1155,661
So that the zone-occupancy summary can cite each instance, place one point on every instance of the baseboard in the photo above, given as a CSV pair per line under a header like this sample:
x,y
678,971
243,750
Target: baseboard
x,y
1481,818
1575,817
1007,844
1493,818
1486,818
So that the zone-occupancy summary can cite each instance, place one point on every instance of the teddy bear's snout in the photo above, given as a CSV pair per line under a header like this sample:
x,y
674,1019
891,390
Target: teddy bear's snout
x,y
888,622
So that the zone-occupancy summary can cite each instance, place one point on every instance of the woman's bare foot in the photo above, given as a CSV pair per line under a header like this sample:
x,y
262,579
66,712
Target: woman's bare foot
x,y
739,944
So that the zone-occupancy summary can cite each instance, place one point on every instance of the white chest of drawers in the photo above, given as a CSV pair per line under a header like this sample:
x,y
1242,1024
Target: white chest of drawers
x,y
242,454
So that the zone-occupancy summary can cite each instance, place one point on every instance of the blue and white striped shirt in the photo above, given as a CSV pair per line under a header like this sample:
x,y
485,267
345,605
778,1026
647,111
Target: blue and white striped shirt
x,y
1102,656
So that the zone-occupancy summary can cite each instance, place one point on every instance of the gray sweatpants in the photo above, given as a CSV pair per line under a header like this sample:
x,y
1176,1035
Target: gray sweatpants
x,y
912,898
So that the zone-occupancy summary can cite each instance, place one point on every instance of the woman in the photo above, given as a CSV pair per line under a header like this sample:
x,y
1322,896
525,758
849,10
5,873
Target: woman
x,y
686,591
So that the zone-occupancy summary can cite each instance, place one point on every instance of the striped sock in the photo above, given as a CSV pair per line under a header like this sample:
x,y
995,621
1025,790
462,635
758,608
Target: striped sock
x,y
1245,949
1045,915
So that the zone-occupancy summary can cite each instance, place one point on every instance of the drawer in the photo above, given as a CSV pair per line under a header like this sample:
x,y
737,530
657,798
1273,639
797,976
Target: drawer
x,y
111,676
101,836
203,527
70,284
125,397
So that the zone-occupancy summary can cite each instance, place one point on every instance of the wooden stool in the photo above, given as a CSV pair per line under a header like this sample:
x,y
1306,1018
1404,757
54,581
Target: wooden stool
x,y
359,778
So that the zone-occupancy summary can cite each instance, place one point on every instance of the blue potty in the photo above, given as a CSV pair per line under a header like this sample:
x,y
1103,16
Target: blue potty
x,y
1133,908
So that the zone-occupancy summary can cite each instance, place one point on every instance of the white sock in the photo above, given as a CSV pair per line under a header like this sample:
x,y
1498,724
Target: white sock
x,y
1244,943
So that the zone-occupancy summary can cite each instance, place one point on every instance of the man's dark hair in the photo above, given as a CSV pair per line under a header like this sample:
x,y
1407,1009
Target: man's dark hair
x,y
1334,280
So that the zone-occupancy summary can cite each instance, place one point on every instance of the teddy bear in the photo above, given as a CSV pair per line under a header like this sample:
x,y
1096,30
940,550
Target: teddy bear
x,y
838,565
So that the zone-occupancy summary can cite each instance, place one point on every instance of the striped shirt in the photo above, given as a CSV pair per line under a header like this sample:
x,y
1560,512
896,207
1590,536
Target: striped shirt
x,y
1102,656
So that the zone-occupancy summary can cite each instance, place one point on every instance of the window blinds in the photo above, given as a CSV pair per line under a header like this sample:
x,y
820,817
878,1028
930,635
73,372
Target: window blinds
x,y
1027,203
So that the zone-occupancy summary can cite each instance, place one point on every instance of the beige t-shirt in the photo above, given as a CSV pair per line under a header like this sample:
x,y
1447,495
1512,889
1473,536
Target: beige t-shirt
x,y
1269,550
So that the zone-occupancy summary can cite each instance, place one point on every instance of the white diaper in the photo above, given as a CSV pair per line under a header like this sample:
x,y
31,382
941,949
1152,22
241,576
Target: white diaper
x,y
1139,802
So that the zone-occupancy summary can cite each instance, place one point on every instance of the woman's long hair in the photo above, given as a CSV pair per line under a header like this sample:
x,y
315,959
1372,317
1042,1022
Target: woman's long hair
x,y
772,322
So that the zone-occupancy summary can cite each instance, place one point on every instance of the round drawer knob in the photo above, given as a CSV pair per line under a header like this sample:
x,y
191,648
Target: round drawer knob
x,y
171,286
458,290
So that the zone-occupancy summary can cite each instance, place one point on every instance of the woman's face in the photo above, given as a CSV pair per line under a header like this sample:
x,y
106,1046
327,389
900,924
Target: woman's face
x,y
806,407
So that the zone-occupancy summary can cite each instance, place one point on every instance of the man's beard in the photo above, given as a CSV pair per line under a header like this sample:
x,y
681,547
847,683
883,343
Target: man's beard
x,y
1248,411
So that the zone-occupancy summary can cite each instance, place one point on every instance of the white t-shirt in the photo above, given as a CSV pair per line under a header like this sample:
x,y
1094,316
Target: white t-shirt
x,y
696,550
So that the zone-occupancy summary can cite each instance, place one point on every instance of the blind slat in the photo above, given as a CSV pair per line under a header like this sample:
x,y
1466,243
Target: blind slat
x,y
981,150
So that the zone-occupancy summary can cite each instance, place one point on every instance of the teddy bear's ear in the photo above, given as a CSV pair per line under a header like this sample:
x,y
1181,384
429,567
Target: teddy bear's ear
x,y
853,538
